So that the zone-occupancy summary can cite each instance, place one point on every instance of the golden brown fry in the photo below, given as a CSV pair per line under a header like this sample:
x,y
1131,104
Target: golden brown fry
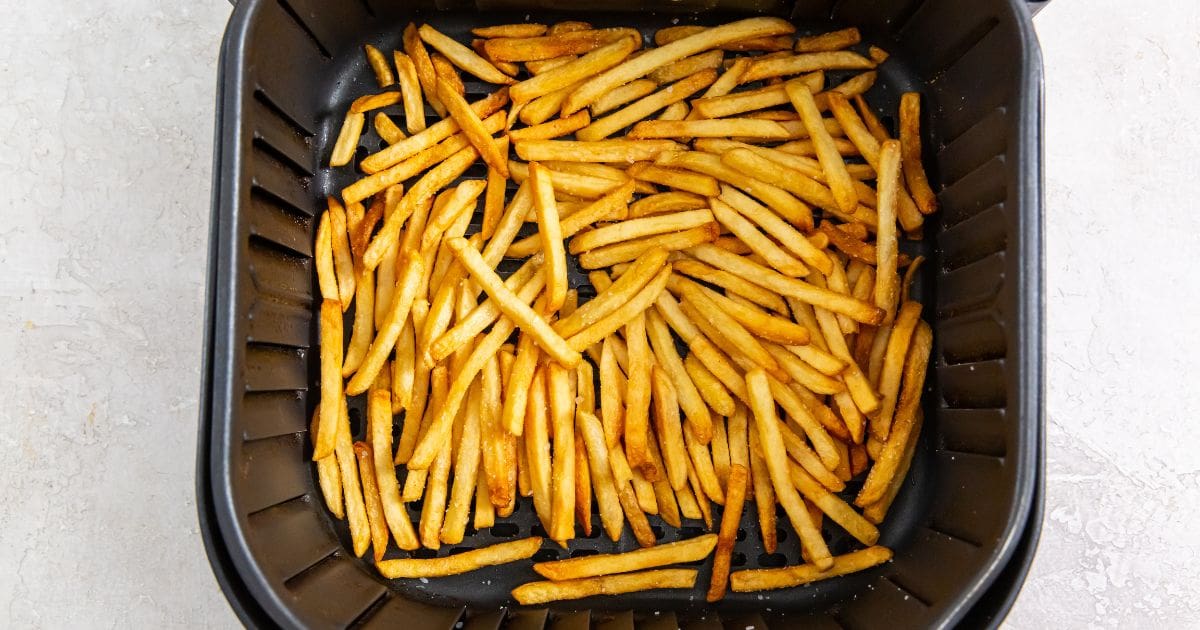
x,y
805,62
732,332
767,427
462,56
602,151
689,399
500,553
722,128
624,94
668,429
910,148
550,235
545,65
605,488
542,592
751,100
669,34
415,49
379,65
389,332
343,259
637,398
641,272
720,452
331,378
893,365
795,211
666,202
379,425
356,510
575,71
364,323
644,107
410,89
826,42
555,44
764,494
537,447
612,394
633,513
689,181
733,284
676,70
637,228
583,486
689,550
735,498
840,183
347,140
553,129
472,127
374,507
323,255
562,417
466,469
711,389
758,243
650,60
364,104
616,319
702,502
518,385
786,577
875,512
886,246
510,30
431,136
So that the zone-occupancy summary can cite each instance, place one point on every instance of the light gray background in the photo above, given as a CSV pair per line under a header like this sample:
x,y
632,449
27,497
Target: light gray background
x,y
106,125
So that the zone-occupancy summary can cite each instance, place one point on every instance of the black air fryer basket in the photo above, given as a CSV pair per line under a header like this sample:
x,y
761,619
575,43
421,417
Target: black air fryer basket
x,y
965,526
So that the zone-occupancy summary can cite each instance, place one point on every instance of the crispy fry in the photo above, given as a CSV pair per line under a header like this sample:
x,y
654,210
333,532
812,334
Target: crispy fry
x,y
542,592
720,452
466,468
415,49
323,255
652,59
669,34
758,243
602,151
562,523
554,129
752,100
735,498
379,65
886,246
875,512
702,502
767,427
826,42
805,62
410,90
674,111
795,211
710,389
676,70
612,394
510,30
764,494
431,136
733,284
786,577
462,56
583,487
732,331
722,128
666,202
347,139
518,386
550,235
664,495
893,366
500,553
621,316
575,71
676,178
356,510
636,228
645,106
637,519
625,251
612,298
698,418
611,516
537,447
343,259
637,398
328,475
364,323
472,127
389,332
331,378
364,104
838,177
689,550
668,428
555,44
374,507
621,95
910,148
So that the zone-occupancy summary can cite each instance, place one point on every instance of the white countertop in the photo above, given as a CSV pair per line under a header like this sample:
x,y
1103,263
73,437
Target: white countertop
x,y
106,126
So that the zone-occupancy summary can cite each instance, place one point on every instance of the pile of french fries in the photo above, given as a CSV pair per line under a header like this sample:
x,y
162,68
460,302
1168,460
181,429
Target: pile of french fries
x,y
751,333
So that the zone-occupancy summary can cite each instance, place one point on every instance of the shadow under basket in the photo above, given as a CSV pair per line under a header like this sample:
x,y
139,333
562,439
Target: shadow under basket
x,y
963,528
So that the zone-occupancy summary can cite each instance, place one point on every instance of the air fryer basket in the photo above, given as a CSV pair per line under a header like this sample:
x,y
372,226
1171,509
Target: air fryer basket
x,y
290,68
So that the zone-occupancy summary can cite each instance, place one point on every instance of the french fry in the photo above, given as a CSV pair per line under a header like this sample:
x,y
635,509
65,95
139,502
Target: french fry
x,y
838,177
767,427
688,507
364,323
537,446
460,200
637,519
417,143
592,433
858,84
610,323
793,210
343,261
328,476
889,460
500,553
374,507
379,65
518,386
472,127
637,398
601,151
676,178
673,201
805,62
875,512
575,71
669,34
668,429
553,129
826,42
356,510
415,49
610,255
732,331
364,104
786,577
568,185
893,365
702,502
379,421
789,238
331,378
510,30
485,512
462,56
689,550
347,139
466,468
676,70
323,256
689,398
550,235
736,103
583,487
636,228
545,65
758,243
723,128
562,521
710,389
910,149
764,495
732,283
664,495
641,272
621,95
389,332
612,394
410,90
735,498
645,106
512,307
652,59
499,457
773,280
554,44
543,592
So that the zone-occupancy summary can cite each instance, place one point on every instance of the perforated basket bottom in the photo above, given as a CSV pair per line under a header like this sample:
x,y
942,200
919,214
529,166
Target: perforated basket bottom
x,y
490,587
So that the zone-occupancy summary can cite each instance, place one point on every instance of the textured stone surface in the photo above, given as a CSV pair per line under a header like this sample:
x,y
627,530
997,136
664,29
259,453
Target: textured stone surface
x,y
105,153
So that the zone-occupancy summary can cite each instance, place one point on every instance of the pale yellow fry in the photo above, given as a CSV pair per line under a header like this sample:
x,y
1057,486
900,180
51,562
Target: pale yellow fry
x,y
542,592
574,71
645,106
610,323
711,389
600,151
462,56
550,235
689,550
410,90
781,201
347,140
612,395
650,60
698,418
464,562
431,136
836,174
621,95
893,366
887,291
331,378
674,111
379,65
328,476
356,509
676,70
379,422
785,577
722,128
553,129
562,415
323,254
637,228
343,261
668,428
608,205
611,516
466,467
767,427
389,332
537,447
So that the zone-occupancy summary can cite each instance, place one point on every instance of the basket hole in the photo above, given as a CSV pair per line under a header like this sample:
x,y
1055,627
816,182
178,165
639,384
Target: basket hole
x,y
738,559
545,555
460,550
689,532
772,560
505,530
741,535
658,532
356,422
360,153
579,553
594,534
383,145
781,534
424,554
538,530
